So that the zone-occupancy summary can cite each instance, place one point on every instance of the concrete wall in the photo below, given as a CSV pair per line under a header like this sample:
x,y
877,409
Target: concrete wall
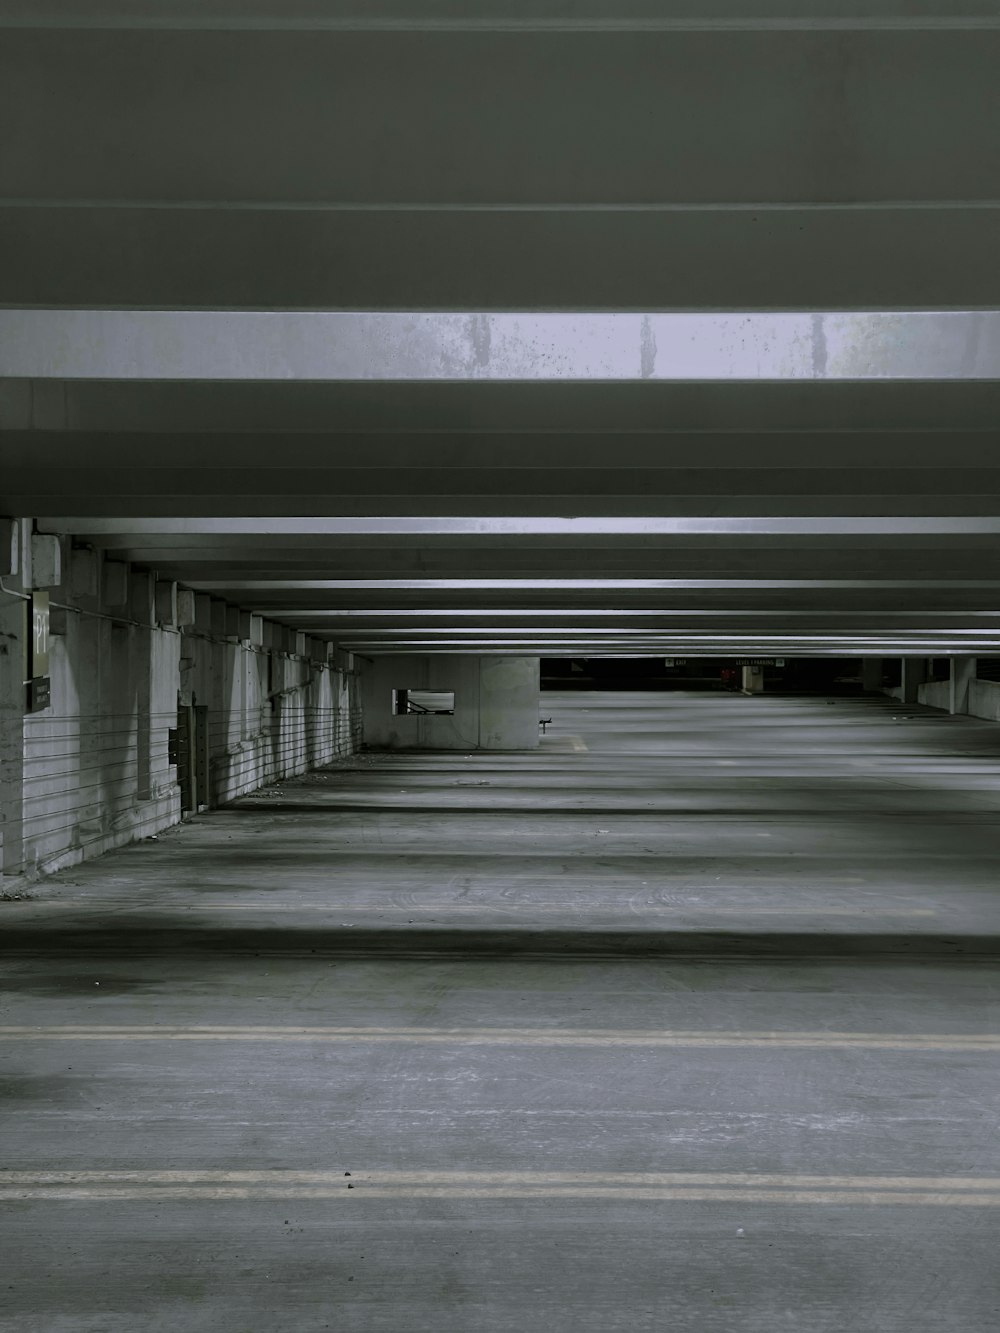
x,y
273,712
91,771
82,755
984,699
496,702
935,694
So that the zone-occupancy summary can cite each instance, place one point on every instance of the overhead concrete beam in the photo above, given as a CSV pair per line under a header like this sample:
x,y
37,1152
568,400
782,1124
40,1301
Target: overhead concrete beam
x,y
504,15
694,111
346,345
680,645
754,258
594,583
224,573
688,459
660,511
142,597
10,547
166,603
238,623
202,618
46,561
937,525
489,485
669,550
437,410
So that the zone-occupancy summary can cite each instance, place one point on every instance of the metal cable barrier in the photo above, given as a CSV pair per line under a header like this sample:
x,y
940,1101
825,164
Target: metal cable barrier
x,y
88,777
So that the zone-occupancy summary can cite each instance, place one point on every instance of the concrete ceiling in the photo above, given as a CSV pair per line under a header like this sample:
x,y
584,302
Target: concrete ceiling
x,y
591,327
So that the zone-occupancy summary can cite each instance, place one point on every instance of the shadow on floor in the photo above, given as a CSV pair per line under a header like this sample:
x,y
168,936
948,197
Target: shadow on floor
x,y
163,935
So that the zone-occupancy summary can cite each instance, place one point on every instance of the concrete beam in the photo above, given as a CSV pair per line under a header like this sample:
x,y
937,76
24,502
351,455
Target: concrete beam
x,y
675,113
746,459
202,619
46,561
10,547
166,603
142,597
619,586
966,513
679,645
530,525
437,410
809,255
238,623
345,345
497,15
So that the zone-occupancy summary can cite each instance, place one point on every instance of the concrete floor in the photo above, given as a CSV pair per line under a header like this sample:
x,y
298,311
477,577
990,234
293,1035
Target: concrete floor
x,y
688,1021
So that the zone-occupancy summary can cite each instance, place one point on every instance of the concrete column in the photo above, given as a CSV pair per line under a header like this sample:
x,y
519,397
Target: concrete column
x,y
913,675
166,603
141,591
238,624
962,672
871,674
114,584
13,646
753,680
202,623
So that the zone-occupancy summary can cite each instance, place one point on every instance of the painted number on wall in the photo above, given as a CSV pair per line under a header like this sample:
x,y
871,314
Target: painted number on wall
x,y
39,634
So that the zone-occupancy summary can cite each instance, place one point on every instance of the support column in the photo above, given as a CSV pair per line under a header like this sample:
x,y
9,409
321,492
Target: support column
x,y
914,674
142,609
871,674
13,633
13,673
753,680
961,674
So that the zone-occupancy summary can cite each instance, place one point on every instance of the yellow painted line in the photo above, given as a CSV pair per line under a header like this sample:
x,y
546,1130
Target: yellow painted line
x,y
511,1036
532,909
742,1188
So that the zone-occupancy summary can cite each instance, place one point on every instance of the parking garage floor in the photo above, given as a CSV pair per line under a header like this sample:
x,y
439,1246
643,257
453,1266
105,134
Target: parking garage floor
x,y
689,1020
